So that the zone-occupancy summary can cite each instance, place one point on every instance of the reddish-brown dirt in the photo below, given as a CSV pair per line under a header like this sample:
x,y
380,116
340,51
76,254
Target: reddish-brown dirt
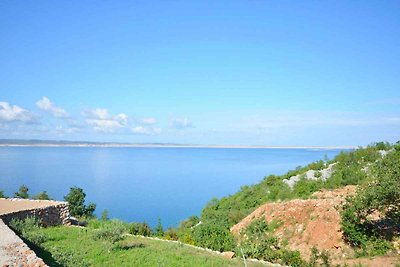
x,y
308,223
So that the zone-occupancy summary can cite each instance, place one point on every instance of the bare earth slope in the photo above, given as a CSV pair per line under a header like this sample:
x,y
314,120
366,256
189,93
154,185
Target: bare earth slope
x,y
308,223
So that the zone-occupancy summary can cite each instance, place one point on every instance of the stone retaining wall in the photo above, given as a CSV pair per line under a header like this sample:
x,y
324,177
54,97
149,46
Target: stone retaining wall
x,y
48,216
14,252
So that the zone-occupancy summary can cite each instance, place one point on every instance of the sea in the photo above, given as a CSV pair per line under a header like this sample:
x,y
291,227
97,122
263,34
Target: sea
x,y
146,184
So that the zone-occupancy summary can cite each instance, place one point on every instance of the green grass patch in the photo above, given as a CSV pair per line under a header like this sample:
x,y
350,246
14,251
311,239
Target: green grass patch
x,y
75,246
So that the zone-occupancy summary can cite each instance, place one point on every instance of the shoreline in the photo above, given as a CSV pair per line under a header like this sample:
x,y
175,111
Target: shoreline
x,y
179,146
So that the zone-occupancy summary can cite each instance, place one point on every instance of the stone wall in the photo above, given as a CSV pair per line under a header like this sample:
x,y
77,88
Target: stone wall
x,y
48,216
14,252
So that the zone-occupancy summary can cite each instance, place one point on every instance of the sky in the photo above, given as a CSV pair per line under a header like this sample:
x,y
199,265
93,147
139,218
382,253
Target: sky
x,y
301,73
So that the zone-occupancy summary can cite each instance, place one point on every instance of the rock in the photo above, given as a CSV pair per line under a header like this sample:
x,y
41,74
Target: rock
x,y
75,221
228,254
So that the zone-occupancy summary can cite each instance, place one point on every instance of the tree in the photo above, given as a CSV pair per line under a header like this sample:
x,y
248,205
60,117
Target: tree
x,y
159,230
2,194
76,201
104,215
42,196
22,192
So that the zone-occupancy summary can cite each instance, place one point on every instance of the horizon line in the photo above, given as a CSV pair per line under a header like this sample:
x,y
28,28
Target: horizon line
x,y
66,143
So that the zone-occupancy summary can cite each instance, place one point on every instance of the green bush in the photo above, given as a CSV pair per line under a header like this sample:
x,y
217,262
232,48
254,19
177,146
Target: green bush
x,y
69,258
29,229
171,234
112,231
2,195
291,258
22,192
213,236
304,187
42,196
27,225
129,245
140,229
381,196
258,241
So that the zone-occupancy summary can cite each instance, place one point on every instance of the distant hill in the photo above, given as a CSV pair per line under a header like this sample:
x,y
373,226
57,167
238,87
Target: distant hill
x,y
39,142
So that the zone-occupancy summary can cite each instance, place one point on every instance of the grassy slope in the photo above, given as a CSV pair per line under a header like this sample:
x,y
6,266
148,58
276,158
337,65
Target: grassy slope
x,y
230,210
79,244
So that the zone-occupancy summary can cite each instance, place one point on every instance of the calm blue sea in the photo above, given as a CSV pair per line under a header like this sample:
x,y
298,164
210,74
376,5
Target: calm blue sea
x,y
144,184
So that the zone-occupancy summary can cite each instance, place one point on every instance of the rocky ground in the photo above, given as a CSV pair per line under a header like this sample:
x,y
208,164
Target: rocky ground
x,y
312,222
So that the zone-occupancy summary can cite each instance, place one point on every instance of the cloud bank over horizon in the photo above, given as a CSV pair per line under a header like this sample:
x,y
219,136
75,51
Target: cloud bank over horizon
x,y
274,127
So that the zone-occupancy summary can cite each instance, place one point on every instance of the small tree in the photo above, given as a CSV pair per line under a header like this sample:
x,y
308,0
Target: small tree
x,y
159,230
2,194
104,215
76,201
22,192
42,196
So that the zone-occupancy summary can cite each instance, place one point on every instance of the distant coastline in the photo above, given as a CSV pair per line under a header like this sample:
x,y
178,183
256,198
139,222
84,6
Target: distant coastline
x,y
50,143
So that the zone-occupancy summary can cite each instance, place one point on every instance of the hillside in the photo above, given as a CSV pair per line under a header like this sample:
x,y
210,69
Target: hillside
x,y
304,224
285,219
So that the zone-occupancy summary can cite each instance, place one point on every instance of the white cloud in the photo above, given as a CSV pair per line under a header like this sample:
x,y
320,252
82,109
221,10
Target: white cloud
x,y
102,121
46,105
145,130
97,113
13,113
62,130
148,121
181,123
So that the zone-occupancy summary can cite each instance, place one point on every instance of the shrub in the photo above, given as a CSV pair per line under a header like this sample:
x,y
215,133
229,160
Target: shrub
x,y
381,197
291,258
2,194
258,243
129,245
112,231
42,196
171,234
28,228
304,187
22,192
213,236
26,225
69,258
140,229
104,215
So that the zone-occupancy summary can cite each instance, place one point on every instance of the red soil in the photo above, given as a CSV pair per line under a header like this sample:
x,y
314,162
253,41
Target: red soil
x,y
312,222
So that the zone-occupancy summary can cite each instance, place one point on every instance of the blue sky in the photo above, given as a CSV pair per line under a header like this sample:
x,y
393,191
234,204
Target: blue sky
x,y
207,72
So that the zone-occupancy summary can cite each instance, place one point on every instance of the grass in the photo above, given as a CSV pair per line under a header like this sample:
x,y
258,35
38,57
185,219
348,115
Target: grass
x,y
73,246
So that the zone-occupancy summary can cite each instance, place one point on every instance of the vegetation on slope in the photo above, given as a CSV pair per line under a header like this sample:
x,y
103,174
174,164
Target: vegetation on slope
x,y
106,243
350,168
371,218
